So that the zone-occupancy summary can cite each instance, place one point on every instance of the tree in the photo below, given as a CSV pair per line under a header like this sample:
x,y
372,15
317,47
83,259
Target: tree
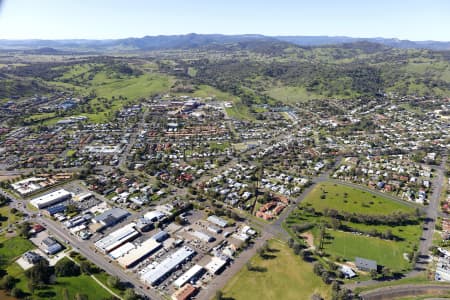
x,y
373,274
7,282
130,295
113,281
17,293
290,242
249,266
219,295
80,296
65,268
85,267
386,272
40,273
297,248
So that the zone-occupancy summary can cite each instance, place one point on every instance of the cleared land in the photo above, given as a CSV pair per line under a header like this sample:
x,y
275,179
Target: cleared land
x,y
285,276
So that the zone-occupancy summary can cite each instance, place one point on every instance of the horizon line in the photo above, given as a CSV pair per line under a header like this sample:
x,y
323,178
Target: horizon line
x,y
238,34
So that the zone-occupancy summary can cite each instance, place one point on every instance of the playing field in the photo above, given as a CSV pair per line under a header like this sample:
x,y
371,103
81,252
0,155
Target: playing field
x,y
345,244
351,200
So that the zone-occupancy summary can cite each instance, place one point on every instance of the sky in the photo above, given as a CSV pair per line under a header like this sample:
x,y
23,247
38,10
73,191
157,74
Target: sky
x,y
110,19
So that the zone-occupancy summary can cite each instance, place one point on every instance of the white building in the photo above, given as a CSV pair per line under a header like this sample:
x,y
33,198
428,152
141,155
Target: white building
x,y
52,198
215,265
117,238
135,255
188,276
167,266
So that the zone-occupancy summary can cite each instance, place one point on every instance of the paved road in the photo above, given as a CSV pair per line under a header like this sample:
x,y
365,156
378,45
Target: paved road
x,y
395,292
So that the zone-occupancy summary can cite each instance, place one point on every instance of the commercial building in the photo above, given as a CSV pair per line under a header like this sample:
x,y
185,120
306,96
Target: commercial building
x,y
117,238
52,198
191,274
139,253
50,246
58,208
162,270
217,221
215,265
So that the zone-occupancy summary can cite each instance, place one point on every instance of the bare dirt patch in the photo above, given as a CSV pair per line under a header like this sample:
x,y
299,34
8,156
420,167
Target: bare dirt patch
x,y
309,238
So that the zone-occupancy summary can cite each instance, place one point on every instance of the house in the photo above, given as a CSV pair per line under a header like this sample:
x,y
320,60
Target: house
x,y
365,264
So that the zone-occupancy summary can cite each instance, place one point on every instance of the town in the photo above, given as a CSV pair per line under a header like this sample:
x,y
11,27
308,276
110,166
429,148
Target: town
x,y
174,191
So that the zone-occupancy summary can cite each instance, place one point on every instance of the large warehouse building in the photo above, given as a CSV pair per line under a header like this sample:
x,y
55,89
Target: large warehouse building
x,y
139,253
117,238
167,266
52,198
189,275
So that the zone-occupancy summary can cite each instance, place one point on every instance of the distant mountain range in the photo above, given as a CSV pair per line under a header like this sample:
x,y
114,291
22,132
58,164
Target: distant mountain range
x,y
189,41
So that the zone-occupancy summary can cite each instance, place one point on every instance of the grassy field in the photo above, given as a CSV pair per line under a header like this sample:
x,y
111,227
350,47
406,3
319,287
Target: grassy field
x,y
389,253
351,200
291,94
349,246
81,284
286,277
13,248
6,217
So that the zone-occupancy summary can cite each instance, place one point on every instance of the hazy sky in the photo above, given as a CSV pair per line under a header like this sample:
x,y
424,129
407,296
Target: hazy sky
x,y
58,19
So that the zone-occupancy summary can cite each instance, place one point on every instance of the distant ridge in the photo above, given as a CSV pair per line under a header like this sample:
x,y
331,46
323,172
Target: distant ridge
x,y
189,41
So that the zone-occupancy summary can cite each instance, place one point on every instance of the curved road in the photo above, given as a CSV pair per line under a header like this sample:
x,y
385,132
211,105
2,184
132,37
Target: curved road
x,y
407,290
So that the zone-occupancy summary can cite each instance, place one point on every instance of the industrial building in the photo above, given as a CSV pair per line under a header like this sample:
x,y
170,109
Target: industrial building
x,y
202,236
139,253
78,220
160,236
217,221
117,238
184,293
122,250
52,198
155,216
215,265
109,218
167,266
190,275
